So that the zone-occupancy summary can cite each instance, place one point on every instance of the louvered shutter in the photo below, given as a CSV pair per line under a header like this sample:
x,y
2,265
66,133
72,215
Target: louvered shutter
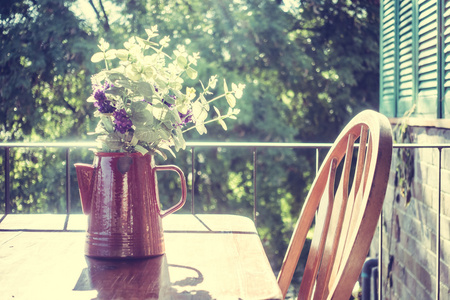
x,y
405,49
388,60
427,59
446,58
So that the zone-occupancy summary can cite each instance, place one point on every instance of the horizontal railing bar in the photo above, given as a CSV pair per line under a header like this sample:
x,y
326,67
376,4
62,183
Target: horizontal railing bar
x,y
48,144
188,144
90,144
258,145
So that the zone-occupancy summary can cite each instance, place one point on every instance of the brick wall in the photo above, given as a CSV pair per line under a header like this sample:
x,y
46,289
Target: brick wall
x,y
410,227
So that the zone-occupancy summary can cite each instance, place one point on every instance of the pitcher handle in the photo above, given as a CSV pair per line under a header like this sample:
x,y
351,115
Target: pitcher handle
x,y
183,188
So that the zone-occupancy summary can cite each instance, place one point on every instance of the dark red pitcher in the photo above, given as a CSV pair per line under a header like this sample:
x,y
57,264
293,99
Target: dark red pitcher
x,y
119,193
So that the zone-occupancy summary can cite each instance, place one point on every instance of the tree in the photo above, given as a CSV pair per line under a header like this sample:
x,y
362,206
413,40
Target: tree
x,y
44,70
340,39
308,66
44,80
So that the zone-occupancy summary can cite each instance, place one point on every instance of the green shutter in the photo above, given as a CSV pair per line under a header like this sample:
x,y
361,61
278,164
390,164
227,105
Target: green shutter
x,y
388,59
446,58
405,49
427,61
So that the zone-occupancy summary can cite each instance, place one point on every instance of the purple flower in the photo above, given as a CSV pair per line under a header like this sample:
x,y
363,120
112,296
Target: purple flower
x,y
122,121
185,118
103,104
169,105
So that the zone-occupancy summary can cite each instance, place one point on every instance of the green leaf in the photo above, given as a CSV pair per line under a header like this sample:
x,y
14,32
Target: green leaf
x,y
97,57
145,89
146,134
225,87
115,90
132,73
113,142
203,99
107,122
162,154
222,123
161,82
152,32
182,61
159,111
201,129
167,148
141,116
204,102
115,74
136,106
122,54
179,140
100,129
169,99
110,54
149,71
173,117
191,73
198,112
140,149
124,83
147,43
237,90
231,100
134,140
217,111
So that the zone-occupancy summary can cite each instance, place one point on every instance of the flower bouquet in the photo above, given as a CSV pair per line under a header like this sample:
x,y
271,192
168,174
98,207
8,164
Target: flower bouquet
x,y
143,102
144,108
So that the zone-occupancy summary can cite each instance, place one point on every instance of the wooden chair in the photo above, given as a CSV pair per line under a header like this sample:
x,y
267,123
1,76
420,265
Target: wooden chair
x,y
347,212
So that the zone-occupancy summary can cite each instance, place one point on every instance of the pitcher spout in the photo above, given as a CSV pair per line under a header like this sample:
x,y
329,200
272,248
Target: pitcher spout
x,y
85,174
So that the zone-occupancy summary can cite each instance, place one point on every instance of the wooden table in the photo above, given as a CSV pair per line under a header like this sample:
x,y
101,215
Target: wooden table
x,y
207,257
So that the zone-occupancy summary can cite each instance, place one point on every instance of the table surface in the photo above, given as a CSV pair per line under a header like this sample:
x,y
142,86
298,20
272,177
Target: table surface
x,y
207,257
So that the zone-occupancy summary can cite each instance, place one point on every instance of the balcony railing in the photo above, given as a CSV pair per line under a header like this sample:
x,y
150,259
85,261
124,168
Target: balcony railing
x,y
254,147
67,146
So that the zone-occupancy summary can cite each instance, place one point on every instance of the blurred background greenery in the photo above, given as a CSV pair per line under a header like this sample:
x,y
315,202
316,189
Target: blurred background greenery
x,y
309,66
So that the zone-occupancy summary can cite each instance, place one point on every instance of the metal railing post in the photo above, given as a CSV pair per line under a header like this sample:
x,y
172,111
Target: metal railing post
x,y
67,189
68,197
192,180
380,256
8,209
317,160
438,229
255,212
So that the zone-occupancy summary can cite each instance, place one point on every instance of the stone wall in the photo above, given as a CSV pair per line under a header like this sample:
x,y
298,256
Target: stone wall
x,y
409,223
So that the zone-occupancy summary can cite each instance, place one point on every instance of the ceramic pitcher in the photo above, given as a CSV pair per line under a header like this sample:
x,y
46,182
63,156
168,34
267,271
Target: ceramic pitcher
x,y
119,193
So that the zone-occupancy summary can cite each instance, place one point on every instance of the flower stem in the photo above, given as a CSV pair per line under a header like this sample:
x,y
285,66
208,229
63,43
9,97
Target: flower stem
x,y
218,118
216,98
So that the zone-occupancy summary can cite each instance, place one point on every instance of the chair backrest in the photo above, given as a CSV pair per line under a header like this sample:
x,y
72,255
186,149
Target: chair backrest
x,y
345,213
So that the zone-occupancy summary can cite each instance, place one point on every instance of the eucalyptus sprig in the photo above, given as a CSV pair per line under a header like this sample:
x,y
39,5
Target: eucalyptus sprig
x,y
143,102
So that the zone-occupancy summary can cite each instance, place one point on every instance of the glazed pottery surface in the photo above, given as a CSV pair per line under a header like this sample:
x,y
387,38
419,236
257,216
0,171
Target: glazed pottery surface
x,y
119,193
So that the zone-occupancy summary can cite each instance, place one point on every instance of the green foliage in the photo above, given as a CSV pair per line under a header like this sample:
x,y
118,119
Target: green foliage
x,y
43,69
340,39
308,67
404,171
